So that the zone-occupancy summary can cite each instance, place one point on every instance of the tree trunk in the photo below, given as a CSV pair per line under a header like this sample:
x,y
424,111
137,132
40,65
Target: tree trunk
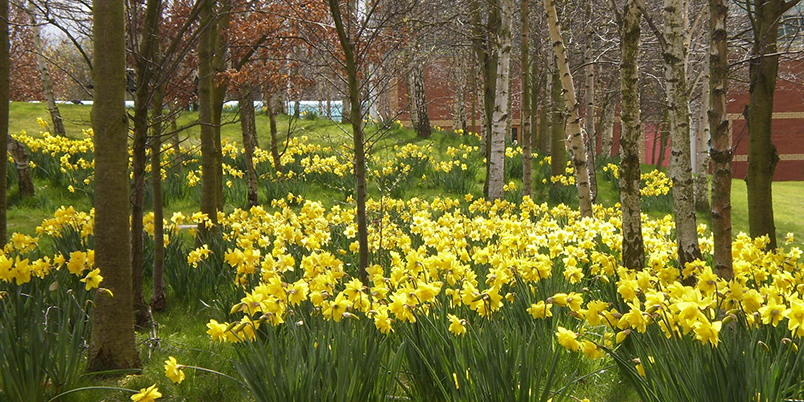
x,y
545,115
209,205
558,137
274,134
423,116
25,182
413,110
473,94
44,74
176,145
5,89
501,106
675,56
145,73
158,296
720,151
487,58
590,112
219,47
356,120
762,154
459,106
525,109
248,127
607,130
112,338
579,160
535,113
702,150
633,251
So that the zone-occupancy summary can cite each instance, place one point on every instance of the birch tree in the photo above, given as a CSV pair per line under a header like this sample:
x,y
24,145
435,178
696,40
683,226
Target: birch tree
x,y
499,127
527,133
720,151
702,135
633,251
674,53
577,147
589,95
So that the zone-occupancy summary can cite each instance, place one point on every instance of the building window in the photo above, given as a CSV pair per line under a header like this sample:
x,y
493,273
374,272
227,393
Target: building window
x,y
514,136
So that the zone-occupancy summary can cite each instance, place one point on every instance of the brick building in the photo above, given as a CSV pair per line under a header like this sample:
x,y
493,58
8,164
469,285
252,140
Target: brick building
x,y
788,123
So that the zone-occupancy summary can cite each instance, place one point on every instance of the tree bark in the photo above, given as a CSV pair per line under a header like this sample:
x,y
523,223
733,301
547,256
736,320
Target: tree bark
x,y
487,59
209,205
274,133
112,337
762,153
5,89
558,137
633,250
501,103
607,130
44,74
356,120
248,127
420,95
545,115
158,296
459,106
525,110
720,151
579,159
702,150
25,182
590,112
145,73
675,56
219,47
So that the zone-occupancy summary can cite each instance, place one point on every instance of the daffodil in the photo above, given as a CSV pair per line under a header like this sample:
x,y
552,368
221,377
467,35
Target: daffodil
x,y
173,370
147,394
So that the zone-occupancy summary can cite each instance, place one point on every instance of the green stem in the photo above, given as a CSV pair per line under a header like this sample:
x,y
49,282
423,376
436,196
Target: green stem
x,y
89,388
214,372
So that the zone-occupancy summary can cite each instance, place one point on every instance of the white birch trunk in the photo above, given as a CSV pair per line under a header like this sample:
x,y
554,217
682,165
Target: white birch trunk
x,y
702,148
501,104
574,131
675,55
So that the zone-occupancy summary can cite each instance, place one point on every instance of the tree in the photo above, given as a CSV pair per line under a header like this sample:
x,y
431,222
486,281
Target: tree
x,y
558,136
487,54
355,118
5,92
145,65
499,128
676,23
765,16
44,73
527,133
633,251
719,149
590,111
112,337
209,149
579,159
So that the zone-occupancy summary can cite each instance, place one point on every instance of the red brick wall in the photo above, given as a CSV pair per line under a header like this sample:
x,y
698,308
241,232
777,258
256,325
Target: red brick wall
x,y
788,124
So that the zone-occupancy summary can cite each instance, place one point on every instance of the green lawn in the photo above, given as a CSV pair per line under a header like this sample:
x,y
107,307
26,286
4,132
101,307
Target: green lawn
x,y
788,207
